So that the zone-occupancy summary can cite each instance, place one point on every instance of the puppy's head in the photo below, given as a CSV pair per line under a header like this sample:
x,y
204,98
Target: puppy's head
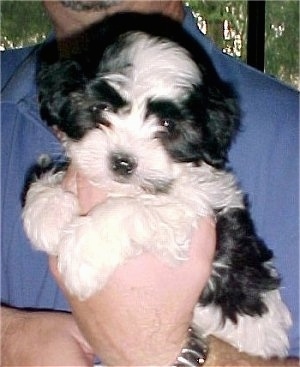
x,y
142,95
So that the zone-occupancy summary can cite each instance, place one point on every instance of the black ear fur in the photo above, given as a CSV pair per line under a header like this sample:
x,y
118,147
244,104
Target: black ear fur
x,y
214,108
56,82
241,269
221,122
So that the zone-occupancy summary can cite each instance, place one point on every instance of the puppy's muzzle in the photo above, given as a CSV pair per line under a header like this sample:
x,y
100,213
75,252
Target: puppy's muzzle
x,y
122,164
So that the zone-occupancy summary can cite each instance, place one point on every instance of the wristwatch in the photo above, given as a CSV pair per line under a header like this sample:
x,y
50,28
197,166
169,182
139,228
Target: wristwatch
x,y
194,352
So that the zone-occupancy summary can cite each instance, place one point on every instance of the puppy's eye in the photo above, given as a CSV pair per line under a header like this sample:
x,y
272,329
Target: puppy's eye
x,y
101,107
168,124
97,116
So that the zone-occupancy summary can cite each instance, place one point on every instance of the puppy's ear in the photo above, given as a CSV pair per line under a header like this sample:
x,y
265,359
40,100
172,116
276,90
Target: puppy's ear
x,y
56,82
220,121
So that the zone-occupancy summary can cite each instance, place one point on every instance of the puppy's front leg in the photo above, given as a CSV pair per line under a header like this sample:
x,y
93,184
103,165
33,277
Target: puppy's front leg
x,y
94,245
48,208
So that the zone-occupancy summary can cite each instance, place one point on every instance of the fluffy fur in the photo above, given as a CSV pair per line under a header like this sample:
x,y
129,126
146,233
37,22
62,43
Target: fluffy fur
x,y
143,114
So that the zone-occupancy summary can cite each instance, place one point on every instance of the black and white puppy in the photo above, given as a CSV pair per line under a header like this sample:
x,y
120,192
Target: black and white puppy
x,y
144,115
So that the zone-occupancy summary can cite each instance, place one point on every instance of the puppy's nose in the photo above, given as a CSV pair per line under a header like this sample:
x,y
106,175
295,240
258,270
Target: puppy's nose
x,y
123,164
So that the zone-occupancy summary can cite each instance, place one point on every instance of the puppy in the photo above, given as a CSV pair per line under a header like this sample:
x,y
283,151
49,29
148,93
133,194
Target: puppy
x,y
143,114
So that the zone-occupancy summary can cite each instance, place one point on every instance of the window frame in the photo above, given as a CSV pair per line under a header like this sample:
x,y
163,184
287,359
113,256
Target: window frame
x,y
256,34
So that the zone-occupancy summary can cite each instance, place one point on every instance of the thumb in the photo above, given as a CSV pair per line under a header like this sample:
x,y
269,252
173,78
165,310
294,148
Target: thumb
x,y
88,195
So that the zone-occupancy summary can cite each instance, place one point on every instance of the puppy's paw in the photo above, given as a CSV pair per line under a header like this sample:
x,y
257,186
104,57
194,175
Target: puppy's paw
x,y
172,227
47,211
91,248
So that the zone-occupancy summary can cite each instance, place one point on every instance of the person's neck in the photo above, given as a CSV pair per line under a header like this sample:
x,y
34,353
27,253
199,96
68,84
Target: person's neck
x,y
67,21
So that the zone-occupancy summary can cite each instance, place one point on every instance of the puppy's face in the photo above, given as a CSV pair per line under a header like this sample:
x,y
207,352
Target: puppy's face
x,y
133,118
149,106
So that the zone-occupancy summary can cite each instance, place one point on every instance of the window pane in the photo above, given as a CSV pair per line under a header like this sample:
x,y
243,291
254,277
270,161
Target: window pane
x,y
282,41
225,22
23,23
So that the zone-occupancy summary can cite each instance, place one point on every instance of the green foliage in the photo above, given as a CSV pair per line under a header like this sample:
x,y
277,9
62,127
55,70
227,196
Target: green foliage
x,y
282,40
225,23
23,23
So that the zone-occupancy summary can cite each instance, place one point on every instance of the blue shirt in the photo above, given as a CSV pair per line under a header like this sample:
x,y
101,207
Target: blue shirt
x,y
265,158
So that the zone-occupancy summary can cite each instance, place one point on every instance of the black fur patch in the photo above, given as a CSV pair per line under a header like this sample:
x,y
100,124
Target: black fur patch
x,y
44,165
241,269
182,136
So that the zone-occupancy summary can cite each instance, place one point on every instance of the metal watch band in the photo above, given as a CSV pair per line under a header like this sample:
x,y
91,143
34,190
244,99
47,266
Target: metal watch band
x,y
194,353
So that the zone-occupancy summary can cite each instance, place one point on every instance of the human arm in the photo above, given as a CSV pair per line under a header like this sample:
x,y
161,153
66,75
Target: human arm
x,y
42,338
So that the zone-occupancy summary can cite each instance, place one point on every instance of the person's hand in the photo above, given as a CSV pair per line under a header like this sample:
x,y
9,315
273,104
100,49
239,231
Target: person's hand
x,y
42,339
142,315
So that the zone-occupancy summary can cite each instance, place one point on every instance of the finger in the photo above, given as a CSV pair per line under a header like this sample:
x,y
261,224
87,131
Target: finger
x,y
70,180
203,244
88,194
53,266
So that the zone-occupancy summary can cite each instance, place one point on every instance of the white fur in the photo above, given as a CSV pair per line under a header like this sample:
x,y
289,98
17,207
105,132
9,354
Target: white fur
x,y
49,208
175,71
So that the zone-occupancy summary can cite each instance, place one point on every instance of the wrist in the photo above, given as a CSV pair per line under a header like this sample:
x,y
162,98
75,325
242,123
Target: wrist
x,y
194,352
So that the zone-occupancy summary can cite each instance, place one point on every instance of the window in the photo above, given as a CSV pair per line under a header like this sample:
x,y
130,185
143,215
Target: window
x,y
282,40
225,22
23,23
263,33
